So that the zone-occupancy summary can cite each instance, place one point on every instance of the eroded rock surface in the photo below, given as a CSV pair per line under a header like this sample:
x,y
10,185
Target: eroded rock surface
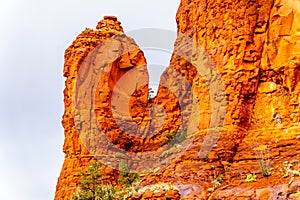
x,y
116,49
253,45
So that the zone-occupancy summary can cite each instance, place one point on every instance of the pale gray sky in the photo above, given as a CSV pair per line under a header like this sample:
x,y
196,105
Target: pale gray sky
x,y
33,37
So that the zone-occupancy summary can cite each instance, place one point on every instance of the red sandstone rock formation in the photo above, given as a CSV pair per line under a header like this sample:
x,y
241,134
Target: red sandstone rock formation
x,y
87,44
253,45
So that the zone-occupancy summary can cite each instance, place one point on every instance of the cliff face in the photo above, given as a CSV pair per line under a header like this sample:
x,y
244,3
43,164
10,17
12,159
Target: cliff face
x,y
228,101
116,58
255,47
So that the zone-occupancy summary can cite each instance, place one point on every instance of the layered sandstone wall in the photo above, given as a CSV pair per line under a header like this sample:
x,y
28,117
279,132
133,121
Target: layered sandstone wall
x,y
255,47
248,56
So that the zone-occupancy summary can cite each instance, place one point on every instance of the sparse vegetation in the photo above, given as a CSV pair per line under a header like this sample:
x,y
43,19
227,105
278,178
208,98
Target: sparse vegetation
x,y
220,179
265,168
126,178
175,137
86,30
93,187
168,137
163,154
250,178
180,136
263,159
288,170
119,155
216,182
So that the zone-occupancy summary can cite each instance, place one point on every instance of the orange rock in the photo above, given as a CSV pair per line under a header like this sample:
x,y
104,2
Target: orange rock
x,y
253,46
78,155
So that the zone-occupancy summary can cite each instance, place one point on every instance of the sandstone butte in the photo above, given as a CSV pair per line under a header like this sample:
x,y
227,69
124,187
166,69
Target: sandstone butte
x,y
254,46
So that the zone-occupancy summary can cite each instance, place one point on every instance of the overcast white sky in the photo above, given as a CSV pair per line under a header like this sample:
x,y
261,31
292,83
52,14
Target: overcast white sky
x,y
33,37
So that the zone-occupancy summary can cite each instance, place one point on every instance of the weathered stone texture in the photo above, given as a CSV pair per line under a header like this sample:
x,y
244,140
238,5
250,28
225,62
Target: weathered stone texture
x,y
255,46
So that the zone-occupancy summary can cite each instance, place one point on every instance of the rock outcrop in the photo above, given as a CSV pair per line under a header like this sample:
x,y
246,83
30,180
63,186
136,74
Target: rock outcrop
x,y
91,43
227,106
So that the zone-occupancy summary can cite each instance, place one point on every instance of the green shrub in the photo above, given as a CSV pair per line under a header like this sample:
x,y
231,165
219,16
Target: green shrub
x,y
119,155
263,158
181,136
175,137
169,137
92,186
216,182
288,169
126,178
265,167
250,178
86,30
220,179
205,158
